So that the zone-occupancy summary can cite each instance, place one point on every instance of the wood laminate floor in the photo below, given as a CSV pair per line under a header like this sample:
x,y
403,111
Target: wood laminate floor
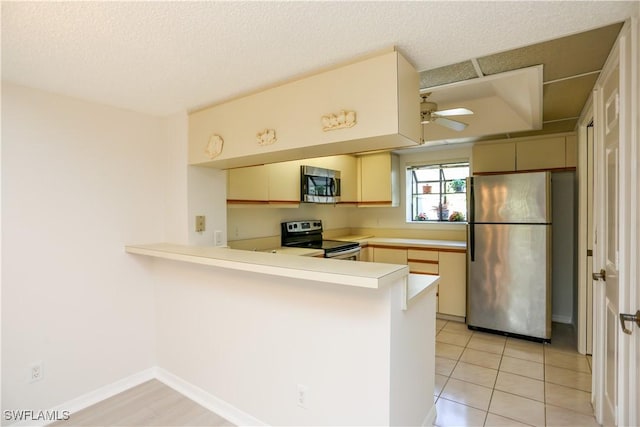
x,y
149,404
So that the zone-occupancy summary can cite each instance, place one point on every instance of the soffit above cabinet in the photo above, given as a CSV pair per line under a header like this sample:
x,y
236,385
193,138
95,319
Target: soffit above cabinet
x,y
370,104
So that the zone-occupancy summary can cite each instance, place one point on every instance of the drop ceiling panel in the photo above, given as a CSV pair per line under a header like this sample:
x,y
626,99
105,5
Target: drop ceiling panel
x,y
563,57
448,74
566,98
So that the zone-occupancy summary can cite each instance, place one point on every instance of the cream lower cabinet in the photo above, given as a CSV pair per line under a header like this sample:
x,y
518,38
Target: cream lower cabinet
x,y
423,261
452,290
450,265
366,254
390,255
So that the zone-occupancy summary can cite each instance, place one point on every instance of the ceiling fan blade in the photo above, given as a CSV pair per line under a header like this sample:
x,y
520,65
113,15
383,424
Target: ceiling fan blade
x,y
451,124
454,112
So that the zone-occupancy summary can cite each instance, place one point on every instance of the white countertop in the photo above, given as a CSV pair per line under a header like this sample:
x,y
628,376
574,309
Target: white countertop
x,y
392,241
350,273
417,284
295,251
353,238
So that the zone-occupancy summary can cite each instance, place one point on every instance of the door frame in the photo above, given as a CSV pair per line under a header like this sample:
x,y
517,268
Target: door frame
x,y
585,311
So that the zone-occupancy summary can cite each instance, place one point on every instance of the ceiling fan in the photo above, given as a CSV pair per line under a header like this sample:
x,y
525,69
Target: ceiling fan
x,y
429,113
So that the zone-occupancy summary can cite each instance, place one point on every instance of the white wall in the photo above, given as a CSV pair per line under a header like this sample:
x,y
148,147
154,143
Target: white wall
x,y
249,339
252,222
207,196
176,180
191,191
79,181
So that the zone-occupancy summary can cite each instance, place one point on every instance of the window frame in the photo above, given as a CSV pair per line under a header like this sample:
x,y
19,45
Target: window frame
x,y
413,184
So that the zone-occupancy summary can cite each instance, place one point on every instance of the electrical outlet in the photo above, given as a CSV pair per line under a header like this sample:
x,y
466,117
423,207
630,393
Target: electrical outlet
x,y
302,396
218,237
200,224
35,372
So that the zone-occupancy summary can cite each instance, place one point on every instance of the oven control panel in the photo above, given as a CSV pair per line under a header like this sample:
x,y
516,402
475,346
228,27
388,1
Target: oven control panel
x,y
297,226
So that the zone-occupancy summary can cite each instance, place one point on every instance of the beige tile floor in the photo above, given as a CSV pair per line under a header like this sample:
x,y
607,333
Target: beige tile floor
x,y
490,380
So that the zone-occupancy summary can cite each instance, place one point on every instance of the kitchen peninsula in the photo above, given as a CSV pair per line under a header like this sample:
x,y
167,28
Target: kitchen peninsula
x,y
356,339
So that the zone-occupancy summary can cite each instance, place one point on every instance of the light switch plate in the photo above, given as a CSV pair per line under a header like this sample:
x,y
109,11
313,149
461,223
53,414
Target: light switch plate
x,y
200,223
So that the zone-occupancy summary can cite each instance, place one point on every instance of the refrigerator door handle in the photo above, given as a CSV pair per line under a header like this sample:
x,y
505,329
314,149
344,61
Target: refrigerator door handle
x,y
472,219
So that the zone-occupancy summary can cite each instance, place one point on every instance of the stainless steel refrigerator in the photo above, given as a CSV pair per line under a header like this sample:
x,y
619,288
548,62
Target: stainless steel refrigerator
x,y
509,254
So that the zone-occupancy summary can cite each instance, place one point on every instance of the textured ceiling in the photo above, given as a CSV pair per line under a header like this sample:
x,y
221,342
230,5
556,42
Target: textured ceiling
x,y
165,57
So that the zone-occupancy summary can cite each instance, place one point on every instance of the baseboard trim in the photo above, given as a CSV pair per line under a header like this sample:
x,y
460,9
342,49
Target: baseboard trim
x,y
430,419
93,397
443,316
209,401
559,318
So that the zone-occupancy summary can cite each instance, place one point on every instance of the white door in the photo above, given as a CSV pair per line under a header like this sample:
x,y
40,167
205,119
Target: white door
x,y
616,234
633,349
607,241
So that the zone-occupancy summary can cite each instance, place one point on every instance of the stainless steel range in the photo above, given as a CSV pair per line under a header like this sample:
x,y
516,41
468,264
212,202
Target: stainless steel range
x,y
308,234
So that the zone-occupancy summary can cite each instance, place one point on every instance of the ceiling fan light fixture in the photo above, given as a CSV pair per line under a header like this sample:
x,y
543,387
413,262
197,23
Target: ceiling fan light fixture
x,y
425,117
429,113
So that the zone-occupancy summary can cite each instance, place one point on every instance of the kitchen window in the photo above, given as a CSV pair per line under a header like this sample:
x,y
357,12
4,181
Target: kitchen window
x,y
437,192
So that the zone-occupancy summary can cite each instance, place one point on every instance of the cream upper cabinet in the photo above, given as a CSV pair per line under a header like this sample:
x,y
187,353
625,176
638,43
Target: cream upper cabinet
x,y
246,185
390,255
540,154
378,179
284,182
452,290
279,183
546,153
365,105
494,157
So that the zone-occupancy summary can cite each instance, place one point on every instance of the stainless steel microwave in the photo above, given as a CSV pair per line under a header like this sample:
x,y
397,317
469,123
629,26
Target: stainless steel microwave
x,y
318,185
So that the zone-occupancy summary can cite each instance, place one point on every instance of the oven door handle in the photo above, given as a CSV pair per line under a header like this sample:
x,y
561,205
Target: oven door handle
x,y
342,253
